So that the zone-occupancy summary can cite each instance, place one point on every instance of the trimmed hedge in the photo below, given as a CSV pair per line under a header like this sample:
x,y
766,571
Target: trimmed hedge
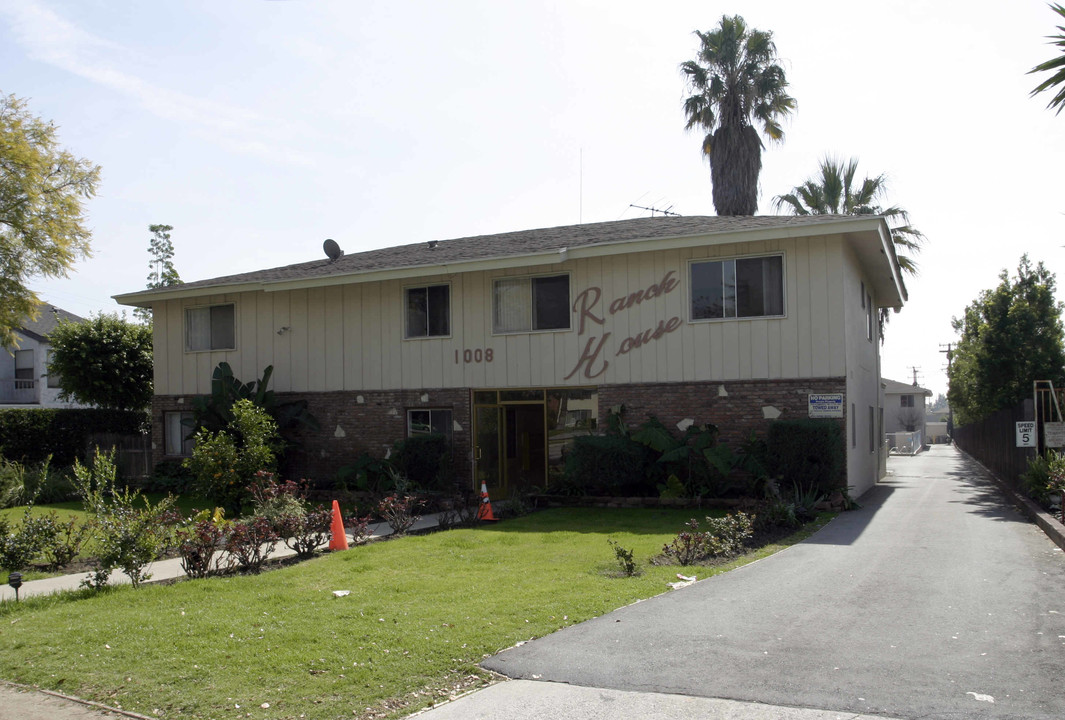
x,y
611,465
809,453
29,435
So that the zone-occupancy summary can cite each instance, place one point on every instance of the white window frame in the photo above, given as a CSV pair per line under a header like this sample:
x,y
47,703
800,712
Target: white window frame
x,y
450,421
733,259
210,348
406,315
172,422
496,326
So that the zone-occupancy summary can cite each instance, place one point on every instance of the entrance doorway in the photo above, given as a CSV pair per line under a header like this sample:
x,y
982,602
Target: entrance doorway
x,y
520,436
509,436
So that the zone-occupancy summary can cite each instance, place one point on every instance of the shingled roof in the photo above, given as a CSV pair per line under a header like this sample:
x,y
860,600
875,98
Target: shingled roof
x,y
47,319
501,246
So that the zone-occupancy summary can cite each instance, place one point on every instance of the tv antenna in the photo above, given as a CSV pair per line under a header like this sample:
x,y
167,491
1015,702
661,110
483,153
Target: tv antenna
x,y
653,210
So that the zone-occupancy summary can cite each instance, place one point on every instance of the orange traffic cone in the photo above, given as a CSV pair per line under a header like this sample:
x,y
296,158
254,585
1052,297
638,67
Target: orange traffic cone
x,y
484,512
339,541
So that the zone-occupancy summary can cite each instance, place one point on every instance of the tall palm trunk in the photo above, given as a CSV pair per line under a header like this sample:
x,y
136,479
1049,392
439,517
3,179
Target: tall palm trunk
x,y
735,163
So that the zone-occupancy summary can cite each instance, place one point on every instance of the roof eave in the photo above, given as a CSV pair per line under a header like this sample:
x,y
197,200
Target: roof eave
x,y
844,226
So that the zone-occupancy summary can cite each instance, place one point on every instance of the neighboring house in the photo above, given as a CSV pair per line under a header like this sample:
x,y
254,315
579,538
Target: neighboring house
x,y
24,378
511,344
905,409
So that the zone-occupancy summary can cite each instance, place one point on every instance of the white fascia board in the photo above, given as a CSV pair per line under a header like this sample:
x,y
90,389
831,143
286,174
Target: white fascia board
x,y
145,298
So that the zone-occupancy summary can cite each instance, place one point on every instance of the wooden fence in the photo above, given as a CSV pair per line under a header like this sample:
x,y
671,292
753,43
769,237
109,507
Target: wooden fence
x,y
993,441
133,453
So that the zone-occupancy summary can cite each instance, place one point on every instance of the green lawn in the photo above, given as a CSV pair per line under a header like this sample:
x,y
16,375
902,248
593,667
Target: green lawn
x,y
423,611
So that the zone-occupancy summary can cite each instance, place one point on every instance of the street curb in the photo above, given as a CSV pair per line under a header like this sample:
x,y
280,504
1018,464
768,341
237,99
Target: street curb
x,y
1046,522
81,701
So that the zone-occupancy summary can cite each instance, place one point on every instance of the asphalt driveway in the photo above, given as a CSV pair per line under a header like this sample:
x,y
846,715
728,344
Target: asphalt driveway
x,y
935,600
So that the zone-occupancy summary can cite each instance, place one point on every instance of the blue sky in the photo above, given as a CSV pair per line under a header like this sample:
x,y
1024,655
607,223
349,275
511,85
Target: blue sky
x,y
259,128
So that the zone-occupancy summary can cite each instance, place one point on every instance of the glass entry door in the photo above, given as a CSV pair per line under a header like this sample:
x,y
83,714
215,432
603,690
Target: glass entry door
x,y
509,441
487,438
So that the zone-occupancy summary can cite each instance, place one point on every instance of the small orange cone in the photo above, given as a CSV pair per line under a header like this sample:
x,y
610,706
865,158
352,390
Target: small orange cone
x,y
339,541
484,512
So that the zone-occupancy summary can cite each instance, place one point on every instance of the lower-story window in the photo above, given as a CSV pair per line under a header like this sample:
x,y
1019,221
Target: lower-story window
x,y
430,421
178,436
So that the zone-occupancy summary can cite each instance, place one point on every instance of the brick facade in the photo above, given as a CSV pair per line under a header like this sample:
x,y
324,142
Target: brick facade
x,y
351,422
356,421
737,407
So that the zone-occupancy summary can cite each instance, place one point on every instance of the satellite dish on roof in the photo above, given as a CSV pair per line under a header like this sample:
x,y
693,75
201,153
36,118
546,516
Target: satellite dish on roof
x,y
332,250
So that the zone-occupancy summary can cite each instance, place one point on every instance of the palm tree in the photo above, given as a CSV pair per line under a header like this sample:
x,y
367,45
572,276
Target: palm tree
x,y
835,192
735,82
1055,64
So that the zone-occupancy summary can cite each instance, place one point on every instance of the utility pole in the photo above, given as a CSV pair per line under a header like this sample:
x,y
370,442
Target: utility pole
x,y
950,409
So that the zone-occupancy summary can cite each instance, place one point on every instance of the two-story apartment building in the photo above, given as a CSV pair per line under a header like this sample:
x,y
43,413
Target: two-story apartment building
x,y
511,343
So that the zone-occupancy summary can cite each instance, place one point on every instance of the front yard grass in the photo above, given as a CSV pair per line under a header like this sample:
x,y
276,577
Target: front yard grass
x,y
421,613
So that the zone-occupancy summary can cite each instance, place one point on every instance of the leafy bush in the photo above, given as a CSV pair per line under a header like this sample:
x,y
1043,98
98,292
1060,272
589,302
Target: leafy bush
x,y
305,532
66,543
250,542
198,541
276,500
31,435
399,512
611,465
129,531
626,559
807,453
19,546
368,474
226,462
170,476
426,460
215,412
1037,481
724,537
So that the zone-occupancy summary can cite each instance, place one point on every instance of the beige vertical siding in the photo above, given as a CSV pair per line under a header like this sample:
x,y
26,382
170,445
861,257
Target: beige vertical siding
x,y
351,336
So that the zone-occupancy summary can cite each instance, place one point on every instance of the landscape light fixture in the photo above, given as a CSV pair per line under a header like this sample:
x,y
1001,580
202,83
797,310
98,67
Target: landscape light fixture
x,y
15,581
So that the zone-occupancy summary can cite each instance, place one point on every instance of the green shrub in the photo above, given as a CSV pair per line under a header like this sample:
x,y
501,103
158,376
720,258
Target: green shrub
x,y
611,465
129,531
226,462
170,476
24,543
31,435
807,453
425,460
368,474
723,537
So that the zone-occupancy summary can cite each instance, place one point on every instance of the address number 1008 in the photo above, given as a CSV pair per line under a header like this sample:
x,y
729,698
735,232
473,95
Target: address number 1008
x,y
477,355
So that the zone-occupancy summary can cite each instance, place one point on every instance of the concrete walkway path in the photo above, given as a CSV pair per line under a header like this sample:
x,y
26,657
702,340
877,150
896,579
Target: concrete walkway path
x,y
170,568
936,600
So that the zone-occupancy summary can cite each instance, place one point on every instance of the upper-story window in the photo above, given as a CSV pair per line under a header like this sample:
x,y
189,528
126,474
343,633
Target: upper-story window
x,y
906,401
737,288
212,327
24,370
870,314
531,303
428,311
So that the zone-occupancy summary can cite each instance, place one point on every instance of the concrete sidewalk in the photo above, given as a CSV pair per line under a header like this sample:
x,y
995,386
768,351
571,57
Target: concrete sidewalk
x,y
170,569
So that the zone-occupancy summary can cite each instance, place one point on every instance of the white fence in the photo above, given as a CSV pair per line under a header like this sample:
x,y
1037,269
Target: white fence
x,y
905,443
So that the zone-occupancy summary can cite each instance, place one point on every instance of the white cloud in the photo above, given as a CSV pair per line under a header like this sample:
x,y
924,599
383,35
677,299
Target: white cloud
x,y
51,39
